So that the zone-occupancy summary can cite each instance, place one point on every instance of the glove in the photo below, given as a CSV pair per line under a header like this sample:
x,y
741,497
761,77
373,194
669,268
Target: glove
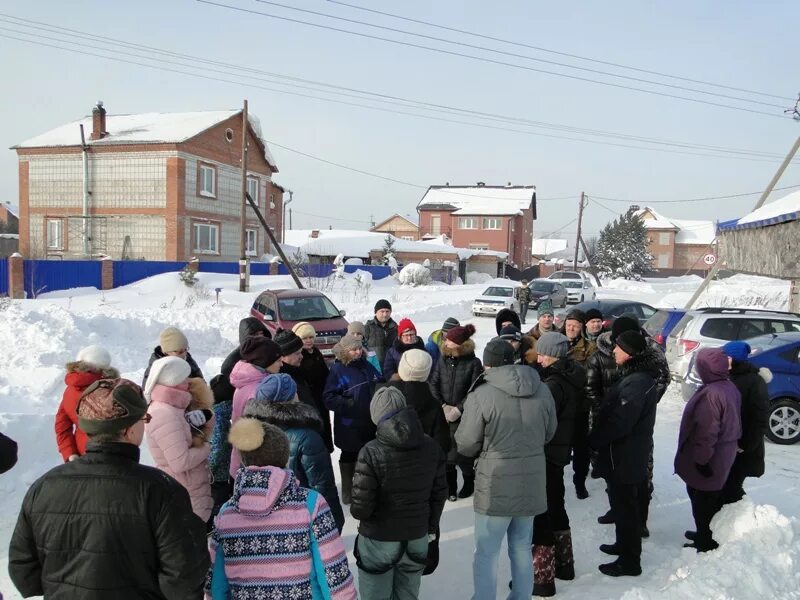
x,y
704,470
431,537
197,418
73,457
451,413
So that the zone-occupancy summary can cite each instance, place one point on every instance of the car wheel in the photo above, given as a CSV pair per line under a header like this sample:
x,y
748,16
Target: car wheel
x,y
784,422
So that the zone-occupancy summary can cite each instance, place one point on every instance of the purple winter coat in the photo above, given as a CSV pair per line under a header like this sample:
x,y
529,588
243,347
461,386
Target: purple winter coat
x,y
711,425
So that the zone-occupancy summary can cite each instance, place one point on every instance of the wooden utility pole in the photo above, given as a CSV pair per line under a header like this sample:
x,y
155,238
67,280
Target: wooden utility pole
x,y
274,241
578,237
777,175
243,233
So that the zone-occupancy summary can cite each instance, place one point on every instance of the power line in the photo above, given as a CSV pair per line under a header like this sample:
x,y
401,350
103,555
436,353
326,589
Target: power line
x,y
601,205
307,214
487,60
559,53
742,195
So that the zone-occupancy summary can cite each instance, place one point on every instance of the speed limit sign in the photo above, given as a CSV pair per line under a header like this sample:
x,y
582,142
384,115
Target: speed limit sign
x,y
710,259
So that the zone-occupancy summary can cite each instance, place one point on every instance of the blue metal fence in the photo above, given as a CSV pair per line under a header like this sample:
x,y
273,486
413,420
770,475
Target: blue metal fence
x,y
320,270
3,276
129,271
52,275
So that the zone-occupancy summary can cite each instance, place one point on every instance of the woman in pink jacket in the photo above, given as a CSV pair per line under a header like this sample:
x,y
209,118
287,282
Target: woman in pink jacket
x,y
179,429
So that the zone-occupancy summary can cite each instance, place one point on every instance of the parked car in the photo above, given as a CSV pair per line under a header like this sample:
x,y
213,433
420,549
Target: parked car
x,y
567,275
780,353
546,289
660,324
711,327
281,309
611,309
494,299
579,290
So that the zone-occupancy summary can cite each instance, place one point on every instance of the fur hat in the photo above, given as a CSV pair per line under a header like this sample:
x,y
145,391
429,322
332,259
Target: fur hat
x,y
632,342
356,327
96,356
621,324
737,350
405,325
449,323
459,335
545,308
553,344
260,351
592,313
170,371
288,341
172,340
415,365
510,333
109,406
259,444
498,353
304,330
276,388
381,304
385,402
576,315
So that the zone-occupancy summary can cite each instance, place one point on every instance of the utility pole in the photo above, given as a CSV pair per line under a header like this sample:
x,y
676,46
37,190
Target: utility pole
x,y
592,268
777,175
581,206
243,233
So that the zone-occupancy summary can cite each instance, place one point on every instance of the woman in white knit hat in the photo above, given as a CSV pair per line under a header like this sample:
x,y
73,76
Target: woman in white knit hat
x,y
172,342
315,370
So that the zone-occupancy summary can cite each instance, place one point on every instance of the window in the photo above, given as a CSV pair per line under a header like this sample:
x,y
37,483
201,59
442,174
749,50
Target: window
x,y
479,246
511,224
493,223
251,242
468,223
409,238
207,181
252,188
663,238
272,201
436,225
723,329
206,238
55,234
663,261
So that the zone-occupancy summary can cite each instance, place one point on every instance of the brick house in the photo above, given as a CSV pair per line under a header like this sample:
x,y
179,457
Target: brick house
x,y
9,217
398,226
677,244
481,217
157,186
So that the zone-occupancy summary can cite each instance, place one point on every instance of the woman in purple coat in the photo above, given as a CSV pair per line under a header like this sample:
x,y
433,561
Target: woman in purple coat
x,y
710,429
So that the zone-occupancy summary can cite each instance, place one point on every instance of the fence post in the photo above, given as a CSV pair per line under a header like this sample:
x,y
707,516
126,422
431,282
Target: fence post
x,y
106,273
16,276
273,268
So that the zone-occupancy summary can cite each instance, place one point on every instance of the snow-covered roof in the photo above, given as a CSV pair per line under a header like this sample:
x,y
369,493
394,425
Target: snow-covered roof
x,y
686,231
653,220
780,211
12,209
546,246
145,128
479,200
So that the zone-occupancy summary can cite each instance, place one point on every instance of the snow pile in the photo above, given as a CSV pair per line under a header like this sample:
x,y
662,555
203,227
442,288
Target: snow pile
x,y
414,274
788,205
476,277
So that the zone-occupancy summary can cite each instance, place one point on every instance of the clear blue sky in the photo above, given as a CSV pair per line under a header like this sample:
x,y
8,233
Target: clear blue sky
x,y
742,44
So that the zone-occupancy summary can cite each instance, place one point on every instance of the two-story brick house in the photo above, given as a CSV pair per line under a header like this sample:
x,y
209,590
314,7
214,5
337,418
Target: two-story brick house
x,y
155,186
482,216
678,244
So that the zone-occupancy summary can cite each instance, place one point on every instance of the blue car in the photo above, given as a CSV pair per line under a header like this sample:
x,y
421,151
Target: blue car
x,y
780,353
660,324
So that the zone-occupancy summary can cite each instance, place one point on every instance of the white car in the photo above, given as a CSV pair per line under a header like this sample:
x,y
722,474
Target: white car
x,y
579,290
566,275
494,299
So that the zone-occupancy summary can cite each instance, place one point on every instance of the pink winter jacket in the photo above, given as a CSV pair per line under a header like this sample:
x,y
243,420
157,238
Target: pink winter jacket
x,y
169,438
245,377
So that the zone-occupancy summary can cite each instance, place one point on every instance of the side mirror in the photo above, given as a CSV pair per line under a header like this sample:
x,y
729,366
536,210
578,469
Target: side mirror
x,y
269,317
342,313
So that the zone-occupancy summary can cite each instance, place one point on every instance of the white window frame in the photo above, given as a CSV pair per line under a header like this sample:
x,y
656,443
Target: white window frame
x,y
663,238
255,182
58,243
492,223
204,169
467,223
213,227
663,258
251,249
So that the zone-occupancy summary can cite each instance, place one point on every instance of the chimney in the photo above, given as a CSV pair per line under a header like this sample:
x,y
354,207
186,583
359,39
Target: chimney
x,y
315,233
481,184
98,122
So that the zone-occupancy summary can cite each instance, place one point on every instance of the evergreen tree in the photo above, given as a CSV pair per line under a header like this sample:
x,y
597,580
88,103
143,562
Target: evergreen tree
x,y
388,249
621,251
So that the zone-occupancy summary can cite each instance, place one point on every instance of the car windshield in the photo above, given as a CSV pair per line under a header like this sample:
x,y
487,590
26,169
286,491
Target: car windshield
x,y
313,308
570,283
499,291
541,286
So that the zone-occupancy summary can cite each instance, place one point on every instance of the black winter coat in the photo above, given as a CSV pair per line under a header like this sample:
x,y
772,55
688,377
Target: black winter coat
x,y
306,395
8,453
755,416
380,338
158,353
399,486
566,380
453,376
221,384
392,360
623,432
418,395
104,526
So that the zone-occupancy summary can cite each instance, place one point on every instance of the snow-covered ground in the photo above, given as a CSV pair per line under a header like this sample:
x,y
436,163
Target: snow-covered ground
x,y
760,536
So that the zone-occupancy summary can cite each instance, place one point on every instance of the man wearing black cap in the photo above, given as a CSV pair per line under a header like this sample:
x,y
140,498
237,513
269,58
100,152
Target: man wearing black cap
x,y
623,437
593,320
104,526
381,330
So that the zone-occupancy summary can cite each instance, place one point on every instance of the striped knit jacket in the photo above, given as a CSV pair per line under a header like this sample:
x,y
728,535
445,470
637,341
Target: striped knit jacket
x,y
275,540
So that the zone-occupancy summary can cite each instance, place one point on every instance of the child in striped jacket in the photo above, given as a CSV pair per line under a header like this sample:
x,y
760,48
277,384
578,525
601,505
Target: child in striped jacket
x,y
273,538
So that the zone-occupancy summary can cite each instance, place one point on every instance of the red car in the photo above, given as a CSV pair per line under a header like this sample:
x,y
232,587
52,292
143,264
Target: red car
x,y
282,309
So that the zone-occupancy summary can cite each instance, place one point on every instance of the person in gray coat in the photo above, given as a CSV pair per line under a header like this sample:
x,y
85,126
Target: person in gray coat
x,y
508,418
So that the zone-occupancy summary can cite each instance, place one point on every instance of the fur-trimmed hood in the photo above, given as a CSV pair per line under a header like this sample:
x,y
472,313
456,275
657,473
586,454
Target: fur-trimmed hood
x,y
286,415
467,349
79,366
604,343
646,362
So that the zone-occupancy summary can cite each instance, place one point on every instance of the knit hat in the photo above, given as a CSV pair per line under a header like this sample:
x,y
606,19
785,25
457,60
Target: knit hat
x,y
385,402
459,335
304,330
279,387
415,365
96,356
259,444
170,370
737,350
288,342
498,353
260,351
405,325
553,344
252,326
382,303
449,323
576,315
592,313
356,327
109,406
545,308
632,342
623,324
172,340
510,333
349,342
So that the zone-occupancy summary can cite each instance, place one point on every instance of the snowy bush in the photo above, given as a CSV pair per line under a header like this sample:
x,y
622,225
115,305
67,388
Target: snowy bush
x,y
391,262
188,276
339,260
415,274
354,261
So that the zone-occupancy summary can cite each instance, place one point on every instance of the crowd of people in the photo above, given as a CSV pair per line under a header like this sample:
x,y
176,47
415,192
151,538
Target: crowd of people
x,y
243,503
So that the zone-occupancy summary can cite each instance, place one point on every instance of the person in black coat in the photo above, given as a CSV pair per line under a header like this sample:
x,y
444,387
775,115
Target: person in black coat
x,y
104,526
752,385
380,332
8,453
172,342
623,437
315,371
399,492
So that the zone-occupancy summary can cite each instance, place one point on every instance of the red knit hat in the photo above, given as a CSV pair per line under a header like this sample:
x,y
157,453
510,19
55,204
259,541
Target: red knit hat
x,y
459,335
405,325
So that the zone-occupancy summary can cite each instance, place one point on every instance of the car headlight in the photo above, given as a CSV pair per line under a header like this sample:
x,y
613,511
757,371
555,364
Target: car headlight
x,y
547,297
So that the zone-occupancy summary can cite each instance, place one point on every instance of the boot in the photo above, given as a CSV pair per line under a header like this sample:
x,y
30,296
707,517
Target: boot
x,y
544,578
606,519
468,488
619,568
565,563
452,483
347,470
580,490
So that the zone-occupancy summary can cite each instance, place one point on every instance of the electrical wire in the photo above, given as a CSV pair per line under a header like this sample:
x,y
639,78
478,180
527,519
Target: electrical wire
x,y
601,205
704,199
